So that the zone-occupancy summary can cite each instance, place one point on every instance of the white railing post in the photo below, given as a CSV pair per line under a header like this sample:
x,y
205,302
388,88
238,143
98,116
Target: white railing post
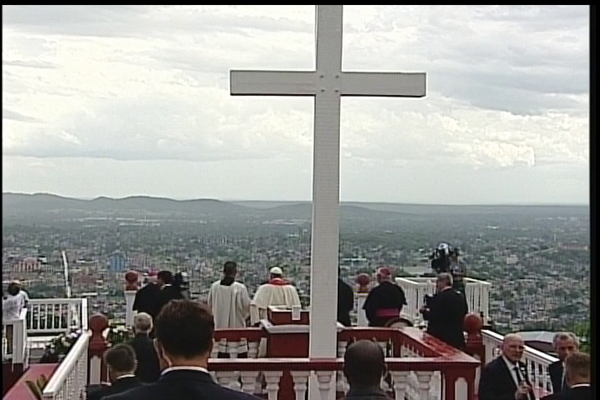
x,y
248,381
324,379
400,379
16,347
131,288
341,384
224,378
485,302
424,378
300,383
272,378
129,313
360,312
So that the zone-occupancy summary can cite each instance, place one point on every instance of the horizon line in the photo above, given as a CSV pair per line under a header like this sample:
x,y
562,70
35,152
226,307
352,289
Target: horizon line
x,y
299,201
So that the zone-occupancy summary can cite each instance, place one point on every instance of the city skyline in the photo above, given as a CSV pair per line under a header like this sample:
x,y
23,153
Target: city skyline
x,y
120,101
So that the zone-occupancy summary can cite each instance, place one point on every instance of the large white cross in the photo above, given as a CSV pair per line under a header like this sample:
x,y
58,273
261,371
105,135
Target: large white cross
x,y
326,84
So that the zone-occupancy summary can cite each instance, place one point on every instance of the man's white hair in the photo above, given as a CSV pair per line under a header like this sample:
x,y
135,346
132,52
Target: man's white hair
x,y
565,336
142,322
446,277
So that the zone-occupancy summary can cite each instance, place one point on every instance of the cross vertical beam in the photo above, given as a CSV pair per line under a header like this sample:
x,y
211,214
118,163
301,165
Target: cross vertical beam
x,y
326,184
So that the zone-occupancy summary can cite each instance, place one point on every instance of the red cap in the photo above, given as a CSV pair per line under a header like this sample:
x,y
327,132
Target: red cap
x,y
384,271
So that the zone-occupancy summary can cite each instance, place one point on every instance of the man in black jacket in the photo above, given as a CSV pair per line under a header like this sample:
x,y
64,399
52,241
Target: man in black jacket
x,y
184,340
505,377
345,302
147,298
385,301
167,292
148,367
565,343
364,366
445,313
121,363
578,371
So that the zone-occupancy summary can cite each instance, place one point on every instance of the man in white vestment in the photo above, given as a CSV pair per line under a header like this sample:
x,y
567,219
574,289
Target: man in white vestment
x,y
229,300
276,292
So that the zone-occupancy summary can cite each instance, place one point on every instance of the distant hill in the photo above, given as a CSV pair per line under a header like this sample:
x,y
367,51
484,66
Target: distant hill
x,y
44,207
41,204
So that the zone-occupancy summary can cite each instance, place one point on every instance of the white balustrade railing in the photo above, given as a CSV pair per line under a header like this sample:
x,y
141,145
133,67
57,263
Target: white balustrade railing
x,y
537,362
54,316
301,371
70,380
476,292
14,340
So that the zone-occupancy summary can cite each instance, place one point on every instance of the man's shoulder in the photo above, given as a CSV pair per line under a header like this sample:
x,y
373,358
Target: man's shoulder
x,y
555,364
139,392
494,364
227,393
158,391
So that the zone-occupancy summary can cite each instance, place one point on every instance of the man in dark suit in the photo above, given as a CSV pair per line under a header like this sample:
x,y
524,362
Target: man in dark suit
x,y
445,313
385,301
565,343
578,372
121,363
146,299
505,378
184,340
148,367
167,292
364,366
345,302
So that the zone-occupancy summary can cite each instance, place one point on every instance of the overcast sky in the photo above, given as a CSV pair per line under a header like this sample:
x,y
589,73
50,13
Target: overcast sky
x,y
134,100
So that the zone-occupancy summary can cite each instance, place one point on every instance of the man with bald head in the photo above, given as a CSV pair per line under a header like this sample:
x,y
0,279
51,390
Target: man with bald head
x,y
505,378
364,367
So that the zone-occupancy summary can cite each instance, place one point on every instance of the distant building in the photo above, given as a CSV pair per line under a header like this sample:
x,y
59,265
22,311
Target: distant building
x,y
28,264
573,246
512,259
118,262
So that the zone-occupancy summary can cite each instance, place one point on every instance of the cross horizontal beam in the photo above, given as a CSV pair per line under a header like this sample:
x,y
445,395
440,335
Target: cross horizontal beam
x,y
384,84
304,83
273,83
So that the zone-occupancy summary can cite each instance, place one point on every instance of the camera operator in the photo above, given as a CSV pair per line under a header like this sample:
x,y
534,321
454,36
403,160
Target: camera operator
x,y
445,312
445,259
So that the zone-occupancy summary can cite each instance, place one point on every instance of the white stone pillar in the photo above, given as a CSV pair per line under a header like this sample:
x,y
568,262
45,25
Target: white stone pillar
x,y
362,316
129,313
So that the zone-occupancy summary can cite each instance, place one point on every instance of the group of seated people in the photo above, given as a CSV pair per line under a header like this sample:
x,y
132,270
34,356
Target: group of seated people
x,y
175,364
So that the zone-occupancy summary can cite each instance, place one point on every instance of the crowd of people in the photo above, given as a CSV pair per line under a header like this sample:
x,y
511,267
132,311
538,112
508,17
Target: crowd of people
x,y
168,357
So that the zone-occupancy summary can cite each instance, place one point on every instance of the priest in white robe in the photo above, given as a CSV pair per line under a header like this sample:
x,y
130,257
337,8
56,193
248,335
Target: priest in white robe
x,y
229,300
276,292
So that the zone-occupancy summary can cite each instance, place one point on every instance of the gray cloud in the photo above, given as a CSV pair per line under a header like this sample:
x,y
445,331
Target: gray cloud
x,y
8,114
507,88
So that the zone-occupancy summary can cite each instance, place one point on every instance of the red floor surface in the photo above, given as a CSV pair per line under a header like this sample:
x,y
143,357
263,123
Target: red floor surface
x,y
20,391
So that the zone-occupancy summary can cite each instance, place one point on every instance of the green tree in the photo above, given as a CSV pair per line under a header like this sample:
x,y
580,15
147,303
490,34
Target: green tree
x,y
582,330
